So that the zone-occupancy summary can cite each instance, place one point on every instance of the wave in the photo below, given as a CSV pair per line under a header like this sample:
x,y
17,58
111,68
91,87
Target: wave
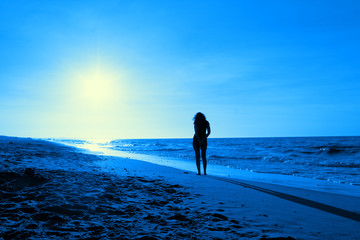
x,y
332,150
271,158
167,150
213,156
72,141
339,164
338,149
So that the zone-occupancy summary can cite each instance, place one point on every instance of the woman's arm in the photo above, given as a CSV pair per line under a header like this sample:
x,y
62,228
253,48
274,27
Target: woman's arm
x,y
208,130
197,134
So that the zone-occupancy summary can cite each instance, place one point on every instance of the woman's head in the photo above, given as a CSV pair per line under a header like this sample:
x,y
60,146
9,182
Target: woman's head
x,y
199,117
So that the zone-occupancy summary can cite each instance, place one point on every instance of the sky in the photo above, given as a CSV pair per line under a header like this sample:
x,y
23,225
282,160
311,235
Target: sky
x,y
143,69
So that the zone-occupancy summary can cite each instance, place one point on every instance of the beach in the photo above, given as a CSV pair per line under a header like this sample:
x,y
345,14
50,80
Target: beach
x,y
49,190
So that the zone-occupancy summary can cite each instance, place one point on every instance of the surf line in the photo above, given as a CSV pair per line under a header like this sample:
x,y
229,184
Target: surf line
x,y
306,202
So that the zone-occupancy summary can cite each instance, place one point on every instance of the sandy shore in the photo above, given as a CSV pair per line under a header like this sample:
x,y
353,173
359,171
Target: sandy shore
x,y
53,191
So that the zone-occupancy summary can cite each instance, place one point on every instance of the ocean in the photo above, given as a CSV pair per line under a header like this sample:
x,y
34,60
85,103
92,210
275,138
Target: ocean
x,y
335,159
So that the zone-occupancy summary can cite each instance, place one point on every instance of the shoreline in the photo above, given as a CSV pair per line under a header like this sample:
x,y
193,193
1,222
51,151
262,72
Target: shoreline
x,y
223,171
89,192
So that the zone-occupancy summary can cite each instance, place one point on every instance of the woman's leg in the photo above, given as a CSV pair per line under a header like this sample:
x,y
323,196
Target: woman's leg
x,y
196,146
203,155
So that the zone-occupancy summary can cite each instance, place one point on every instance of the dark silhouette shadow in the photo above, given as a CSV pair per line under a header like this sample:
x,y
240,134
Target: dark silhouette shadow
x,y
202,131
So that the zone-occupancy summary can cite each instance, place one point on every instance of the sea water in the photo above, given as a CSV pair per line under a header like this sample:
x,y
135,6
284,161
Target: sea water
x,y
335,159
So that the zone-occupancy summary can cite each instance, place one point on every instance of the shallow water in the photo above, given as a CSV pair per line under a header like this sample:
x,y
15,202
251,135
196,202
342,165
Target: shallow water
x,y
335,159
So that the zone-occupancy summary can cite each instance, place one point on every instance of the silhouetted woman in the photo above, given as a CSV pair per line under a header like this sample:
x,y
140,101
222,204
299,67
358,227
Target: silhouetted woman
x,y
202,131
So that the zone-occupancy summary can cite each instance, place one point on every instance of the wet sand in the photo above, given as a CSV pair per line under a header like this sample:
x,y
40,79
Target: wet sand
x,y
53,191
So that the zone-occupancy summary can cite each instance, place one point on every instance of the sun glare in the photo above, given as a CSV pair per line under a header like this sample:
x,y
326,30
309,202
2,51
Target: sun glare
x,y
96,86
96,98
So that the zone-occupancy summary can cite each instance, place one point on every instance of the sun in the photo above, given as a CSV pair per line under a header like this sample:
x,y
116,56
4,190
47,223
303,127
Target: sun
x,y
96,96
96,86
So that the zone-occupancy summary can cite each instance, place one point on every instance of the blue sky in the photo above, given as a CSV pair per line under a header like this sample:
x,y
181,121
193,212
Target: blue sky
x,y
142,69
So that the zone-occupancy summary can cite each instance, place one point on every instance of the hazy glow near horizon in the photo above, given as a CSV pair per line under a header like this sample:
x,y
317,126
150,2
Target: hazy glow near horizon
x,y
142,69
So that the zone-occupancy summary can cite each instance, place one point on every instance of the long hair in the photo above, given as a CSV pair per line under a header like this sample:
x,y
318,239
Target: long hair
x,y
199,118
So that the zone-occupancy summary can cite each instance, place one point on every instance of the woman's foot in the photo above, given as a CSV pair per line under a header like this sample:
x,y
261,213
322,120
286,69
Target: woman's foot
x,y
198,173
